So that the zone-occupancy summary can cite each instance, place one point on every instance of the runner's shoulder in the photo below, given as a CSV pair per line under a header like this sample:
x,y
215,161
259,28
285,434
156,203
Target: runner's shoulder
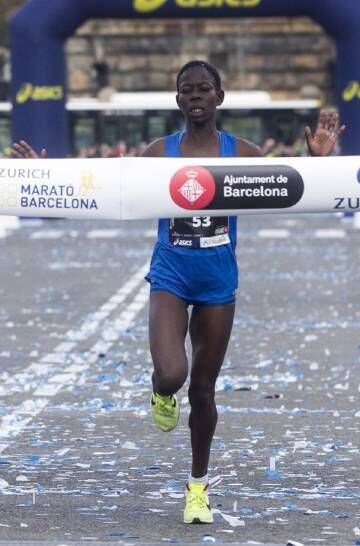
x,y
155,149
247,149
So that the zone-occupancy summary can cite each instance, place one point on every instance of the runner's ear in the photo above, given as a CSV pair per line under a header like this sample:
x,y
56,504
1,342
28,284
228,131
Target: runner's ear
x,y
220,97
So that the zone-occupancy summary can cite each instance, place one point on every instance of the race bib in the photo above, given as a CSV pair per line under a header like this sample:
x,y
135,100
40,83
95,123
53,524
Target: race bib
x,y
199,231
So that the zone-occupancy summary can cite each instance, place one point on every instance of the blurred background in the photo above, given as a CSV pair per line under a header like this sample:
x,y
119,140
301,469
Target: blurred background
x,y
121,79
79,457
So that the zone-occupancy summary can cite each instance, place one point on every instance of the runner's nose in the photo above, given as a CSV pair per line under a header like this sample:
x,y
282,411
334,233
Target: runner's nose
x,y
195,96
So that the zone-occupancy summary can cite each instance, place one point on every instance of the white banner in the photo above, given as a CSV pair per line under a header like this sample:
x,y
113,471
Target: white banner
x,y
139,188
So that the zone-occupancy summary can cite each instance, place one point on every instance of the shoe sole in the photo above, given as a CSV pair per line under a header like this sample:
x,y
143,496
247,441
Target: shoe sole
x,y
198,521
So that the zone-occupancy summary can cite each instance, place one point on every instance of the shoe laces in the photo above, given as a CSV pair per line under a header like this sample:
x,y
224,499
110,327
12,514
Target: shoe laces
x,y
164,406
196,499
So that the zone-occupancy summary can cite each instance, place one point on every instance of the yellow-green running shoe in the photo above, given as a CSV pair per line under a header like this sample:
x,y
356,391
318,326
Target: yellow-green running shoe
x,y
197,507
165,411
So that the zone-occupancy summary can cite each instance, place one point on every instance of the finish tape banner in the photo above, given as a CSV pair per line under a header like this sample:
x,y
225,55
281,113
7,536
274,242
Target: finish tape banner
x,y
140,188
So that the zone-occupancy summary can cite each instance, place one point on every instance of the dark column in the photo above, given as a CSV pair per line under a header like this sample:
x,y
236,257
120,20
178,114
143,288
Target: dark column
x,y
348,90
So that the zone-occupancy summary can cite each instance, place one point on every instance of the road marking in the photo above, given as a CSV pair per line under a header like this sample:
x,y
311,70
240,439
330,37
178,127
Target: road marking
x,y
278,233
273,233
65,346
47,234
356,221
330,233
90,326
103,234
31,222
8,223
150,233
51,387
12,424
48,366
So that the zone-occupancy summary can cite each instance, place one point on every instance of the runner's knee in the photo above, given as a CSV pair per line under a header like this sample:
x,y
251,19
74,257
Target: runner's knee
x,y
201,395
166,382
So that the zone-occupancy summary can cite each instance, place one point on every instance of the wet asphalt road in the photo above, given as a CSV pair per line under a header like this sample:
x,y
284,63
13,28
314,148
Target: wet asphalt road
x,y
80,460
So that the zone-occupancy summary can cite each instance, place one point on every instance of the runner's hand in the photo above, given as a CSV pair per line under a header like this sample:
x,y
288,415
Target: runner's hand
x,y
326,135
22,150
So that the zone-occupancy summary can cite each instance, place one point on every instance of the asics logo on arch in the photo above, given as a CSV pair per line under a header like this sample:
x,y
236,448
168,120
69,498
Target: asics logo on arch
x,y
147,6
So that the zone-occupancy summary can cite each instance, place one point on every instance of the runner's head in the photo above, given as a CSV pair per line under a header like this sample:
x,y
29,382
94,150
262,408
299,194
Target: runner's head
x,y
211,70
199,91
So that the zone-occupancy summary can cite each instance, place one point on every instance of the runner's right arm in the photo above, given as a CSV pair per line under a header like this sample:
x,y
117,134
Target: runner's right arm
x,y
155,149
23,150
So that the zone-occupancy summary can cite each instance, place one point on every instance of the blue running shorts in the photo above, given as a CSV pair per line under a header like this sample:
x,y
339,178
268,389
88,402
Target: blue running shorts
x,y
195,277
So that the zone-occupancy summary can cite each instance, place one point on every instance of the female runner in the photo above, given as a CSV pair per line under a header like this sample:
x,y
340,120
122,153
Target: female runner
x,y
194,264
184,273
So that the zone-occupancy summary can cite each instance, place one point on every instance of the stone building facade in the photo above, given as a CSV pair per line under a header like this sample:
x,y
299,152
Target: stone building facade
x,y
290,58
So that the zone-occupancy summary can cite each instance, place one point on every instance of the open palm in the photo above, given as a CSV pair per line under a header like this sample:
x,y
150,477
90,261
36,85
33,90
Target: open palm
x,y
23,150
327,133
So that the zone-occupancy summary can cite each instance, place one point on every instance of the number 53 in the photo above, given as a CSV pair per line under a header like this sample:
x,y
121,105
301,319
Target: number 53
x,y
204,221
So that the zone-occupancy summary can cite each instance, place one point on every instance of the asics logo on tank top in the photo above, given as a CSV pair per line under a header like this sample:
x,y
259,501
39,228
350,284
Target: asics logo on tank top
x,y
182,242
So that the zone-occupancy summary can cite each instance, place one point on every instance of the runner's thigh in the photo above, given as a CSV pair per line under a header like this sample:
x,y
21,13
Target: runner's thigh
x,y
210,329
168,324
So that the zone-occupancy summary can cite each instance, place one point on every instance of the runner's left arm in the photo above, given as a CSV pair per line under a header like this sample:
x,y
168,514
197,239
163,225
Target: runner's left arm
x,y
327,134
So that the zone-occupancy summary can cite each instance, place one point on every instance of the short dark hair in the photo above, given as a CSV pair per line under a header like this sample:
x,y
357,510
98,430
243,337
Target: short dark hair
x,y
203,64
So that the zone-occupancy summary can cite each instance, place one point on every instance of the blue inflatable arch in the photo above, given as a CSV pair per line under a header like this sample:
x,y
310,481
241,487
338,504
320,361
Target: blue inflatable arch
x,y
40,28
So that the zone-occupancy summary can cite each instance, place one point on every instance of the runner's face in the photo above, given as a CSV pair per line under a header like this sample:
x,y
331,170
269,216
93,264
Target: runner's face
x,y
197,96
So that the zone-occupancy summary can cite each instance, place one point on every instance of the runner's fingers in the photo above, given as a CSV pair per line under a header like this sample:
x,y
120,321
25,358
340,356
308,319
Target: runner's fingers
x,y
322,119
29,151
17,146
18,150
15,154
341,131
334,122
309,136
328,120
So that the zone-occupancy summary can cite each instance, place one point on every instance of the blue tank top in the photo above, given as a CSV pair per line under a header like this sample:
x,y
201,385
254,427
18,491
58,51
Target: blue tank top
x,y
185,235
